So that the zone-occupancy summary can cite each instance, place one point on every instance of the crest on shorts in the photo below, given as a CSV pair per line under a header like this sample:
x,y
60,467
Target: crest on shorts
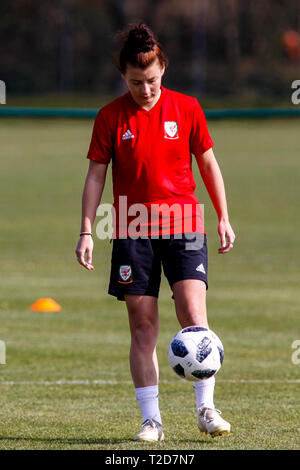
x,y
125,274
171,130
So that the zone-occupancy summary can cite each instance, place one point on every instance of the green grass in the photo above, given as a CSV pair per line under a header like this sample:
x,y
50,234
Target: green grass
x,y
253,299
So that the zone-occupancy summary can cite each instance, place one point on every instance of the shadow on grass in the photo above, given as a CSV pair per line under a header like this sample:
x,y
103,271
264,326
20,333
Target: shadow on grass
x,y
103,441
66,440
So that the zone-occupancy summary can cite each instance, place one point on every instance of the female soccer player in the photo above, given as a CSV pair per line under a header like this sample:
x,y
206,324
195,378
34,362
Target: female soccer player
x,y
149,135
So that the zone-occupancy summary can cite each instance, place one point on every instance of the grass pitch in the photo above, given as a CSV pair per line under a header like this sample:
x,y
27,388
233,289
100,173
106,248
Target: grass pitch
x,y
66,384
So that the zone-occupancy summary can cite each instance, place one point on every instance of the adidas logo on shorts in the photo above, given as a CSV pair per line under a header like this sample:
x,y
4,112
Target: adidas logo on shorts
x,y
201,268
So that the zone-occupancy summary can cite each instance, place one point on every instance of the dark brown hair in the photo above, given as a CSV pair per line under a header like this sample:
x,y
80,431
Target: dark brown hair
x,y
139,48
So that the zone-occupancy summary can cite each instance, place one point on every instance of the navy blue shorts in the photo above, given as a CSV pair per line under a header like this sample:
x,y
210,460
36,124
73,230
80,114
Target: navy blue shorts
x,y
136,263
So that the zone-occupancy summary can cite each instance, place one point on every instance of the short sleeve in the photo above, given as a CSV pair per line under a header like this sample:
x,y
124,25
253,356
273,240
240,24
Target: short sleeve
x,y
101,145
200,140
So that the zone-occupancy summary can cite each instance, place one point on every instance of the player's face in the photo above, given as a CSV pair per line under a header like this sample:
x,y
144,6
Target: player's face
x,y
144,84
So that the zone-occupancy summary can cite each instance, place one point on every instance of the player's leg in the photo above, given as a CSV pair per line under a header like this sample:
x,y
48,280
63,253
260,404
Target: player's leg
x,y
190,304
185,266
186,270
144,328
135,278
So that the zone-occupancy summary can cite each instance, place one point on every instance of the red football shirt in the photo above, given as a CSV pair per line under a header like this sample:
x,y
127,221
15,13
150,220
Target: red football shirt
x,y
153,183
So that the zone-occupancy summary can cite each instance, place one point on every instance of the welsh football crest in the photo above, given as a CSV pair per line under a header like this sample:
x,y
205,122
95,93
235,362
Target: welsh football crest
x,y
171,130
125,273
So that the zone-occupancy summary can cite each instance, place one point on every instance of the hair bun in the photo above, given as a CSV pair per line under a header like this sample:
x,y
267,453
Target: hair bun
x,y
141,39
138,48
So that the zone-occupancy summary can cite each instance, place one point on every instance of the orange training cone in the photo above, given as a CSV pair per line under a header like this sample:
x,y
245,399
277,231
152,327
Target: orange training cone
x,y
45,305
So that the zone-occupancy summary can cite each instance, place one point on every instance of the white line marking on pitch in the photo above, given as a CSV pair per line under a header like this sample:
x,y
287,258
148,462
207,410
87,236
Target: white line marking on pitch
x,y
117,382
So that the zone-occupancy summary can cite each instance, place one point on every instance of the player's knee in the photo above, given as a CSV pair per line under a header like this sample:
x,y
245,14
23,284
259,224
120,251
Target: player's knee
x,y
192,316
144,336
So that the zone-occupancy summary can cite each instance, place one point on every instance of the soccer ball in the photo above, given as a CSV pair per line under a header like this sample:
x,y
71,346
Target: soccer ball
x,y
195,353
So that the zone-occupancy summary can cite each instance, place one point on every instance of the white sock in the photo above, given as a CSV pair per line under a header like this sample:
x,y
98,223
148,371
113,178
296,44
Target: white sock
x,y
148,401
204,390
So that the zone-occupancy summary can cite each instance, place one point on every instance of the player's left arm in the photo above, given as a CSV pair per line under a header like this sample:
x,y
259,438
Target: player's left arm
x,y
214,183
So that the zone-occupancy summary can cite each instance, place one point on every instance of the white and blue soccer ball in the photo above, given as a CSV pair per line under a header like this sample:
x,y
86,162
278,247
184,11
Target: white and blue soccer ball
x,y
195,353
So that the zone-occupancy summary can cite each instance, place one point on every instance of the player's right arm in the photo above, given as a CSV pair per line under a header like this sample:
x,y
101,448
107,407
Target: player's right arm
x,y
91,197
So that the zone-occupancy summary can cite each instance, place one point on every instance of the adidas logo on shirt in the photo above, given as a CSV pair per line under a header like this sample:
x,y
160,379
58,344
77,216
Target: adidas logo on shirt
x,y
128,135
200,268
